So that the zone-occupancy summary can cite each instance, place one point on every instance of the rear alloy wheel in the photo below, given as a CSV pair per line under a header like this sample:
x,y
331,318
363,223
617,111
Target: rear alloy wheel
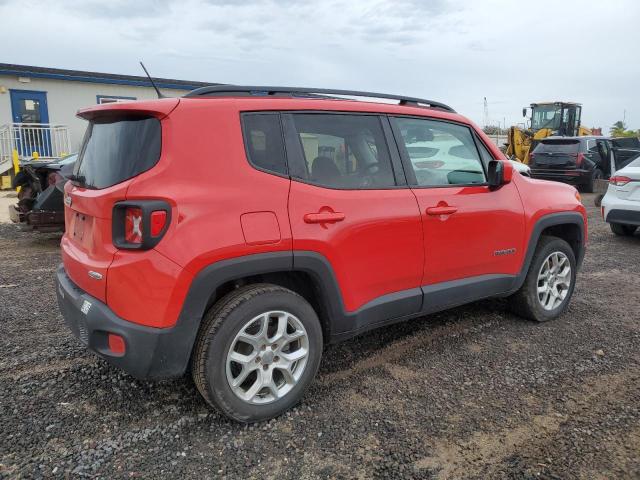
x,y
549,283
257,350
622,229
267,357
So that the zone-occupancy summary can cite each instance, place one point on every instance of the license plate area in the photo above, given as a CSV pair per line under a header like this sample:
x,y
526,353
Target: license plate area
x,y
79,226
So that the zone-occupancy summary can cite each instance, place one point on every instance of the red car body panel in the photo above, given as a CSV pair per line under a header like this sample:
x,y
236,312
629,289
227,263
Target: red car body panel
x,y
224,208
465,243
375,250
543,197
86,244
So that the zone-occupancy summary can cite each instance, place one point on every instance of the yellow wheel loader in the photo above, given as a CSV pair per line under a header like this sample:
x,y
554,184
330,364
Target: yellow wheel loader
x,y
547,119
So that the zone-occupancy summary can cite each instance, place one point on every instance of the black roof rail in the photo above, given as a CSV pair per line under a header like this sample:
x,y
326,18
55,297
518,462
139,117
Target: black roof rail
x,y
226,90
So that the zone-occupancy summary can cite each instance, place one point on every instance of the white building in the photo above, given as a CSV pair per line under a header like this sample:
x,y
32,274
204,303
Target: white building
x,y
38,106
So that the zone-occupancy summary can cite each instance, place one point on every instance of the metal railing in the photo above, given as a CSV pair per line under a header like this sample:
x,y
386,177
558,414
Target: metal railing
x,y
43,141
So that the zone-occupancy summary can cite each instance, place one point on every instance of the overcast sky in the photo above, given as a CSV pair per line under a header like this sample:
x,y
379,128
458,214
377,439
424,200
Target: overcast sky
x,y
457,51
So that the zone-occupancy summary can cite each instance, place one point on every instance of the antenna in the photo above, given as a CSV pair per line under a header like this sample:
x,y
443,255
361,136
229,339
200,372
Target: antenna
x,y
160,95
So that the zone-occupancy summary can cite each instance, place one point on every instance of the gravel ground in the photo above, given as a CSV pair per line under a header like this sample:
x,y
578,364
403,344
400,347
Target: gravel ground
x,y
474,392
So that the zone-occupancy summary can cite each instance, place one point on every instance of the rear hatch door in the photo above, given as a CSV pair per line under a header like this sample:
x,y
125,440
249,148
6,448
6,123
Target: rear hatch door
x,y
119,145
556,153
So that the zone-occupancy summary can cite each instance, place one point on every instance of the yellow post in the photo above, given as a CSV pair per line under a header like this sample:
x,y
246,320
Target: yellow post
x,y
35,155
16,165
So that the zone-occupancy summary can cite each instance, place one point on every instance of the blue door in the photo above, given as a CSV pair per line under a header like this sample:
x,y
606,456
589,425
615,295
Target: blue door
x,y
29,106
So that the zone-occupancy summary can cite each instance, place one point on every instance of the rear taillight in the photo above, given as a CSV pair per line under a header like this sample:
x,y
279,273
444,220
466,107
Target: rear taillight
x,y
140,224
579,159
133,225
158,221
619,181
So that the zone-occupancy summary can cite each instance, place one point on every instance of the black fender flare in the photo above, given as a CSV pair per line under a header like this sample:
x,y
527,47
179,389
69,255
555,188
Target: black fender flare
x,y
546,221
210,278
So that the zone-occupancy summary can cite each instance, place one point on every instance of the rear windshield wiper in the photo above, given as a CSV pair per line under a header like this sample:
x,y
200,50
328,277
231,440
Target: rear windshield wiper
x,y
81,180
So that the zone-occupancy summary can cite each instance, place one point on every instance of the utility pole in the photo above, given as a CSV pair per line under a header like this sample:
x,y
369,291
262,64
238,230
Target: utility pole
x,y
485,118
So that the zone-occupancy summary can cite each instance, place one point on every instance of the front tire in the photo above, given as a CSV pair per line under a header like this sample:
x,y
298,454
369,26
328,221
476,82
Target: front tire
x,y
548,287
622,229
257,351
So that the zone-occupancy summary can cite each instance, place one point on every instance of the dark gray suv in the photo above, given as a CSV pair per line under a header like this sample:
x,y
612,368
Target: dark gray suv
x,y
580,161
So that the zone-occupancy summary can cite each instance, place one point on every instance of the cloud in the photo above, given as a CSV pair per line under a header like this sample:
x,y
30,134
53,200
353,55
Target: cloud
x,y
456,51
121,9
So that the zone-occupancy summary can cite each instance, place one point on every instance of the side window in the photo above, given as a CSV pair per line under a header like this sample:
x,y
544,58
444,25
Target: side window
x,y
592,146
263,139
343,151
441,153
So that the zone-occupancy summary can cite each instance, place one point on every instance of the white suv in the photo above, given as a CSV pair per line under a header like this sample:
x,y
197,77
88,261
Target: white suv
x,y
621,204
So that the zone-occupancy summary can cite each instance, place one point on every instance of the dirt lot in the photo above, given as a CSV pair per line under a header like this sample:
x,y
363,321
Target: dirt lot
x,y
471,393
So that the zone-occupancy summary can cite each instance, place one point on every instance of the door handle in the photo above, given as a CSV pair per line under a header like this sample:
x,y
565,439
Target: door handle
x,y
324,217
441,210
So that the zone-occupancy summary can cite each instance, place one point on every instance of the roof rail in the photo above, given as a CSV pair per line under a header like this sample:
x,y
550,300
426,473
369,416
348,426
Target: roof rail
x,y
227,90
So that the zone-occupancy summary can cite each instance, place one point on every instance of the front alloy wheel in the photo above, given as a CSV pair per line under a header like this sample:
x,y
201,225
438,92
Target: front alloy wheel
x,y
549,283
554,280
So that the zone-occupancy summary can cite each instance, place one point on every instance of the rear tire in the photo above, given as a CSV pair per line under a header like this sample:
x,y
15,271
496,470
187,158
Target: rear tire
x,y
258,349
548,287
595,176
623,230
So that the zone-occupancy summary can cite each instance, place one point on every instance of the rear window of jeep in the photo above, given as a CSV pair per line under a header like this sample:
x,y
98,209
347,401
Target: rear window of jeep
x,y
117,148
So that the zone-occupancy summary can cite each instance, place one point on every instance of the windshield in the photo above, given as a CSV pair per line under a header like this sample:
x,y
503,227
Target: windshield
x,y
118,148
546,116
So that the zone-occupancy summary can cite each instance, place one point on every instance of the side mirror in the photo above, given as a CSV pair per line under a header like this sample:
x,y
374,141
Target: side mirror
x,y
524,112
500,172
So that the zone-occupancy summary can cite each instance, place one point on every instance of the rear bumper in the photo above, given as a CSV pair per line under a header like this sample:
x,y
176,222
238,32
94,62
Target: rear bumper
x,y
149,352
48,220
572,177
625,217
620,210
43,220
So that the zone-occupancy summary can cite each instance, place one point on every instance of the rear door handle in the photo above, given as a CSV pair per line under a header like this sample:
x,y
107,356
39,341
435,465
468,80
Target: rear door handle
x,y
324,217
441,210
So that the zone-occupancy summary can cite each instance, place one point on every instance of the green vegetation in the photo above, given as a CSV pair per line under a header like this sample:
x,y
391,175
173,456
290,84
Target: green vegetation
x,y
619,129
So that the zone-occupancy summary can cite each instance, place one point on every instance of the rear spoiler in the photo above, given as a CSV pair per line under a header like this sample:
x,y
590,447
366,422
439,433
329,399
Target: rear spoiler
x,y
157,108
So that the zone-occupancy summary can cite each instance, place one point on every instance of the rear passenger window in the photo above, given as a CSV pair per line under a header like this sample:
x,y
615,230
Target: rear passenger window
x,y
263,138
440,153
343,151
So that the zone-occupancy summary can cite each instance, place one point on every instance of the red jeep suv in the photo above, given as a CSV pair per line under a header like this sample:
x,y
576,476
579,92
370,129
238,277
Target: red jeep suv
x,y
237,230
